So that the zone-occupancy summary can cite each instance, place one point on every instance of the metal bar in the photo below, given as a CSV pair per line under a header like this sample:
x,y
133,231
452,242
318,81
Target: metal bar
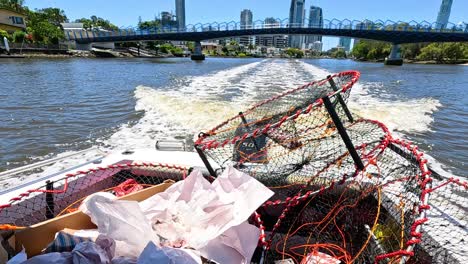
x,y
50,206
411,158
205,161
46,162
247,128
340,99
342,131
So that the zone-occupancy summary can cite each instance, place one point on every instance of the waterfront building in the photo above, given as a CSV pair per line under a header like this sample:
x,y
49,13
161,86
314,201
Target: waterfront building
x,y
315,21
11,20
246,22
316,46
444,13
211,47
296,19
180,13
166,18
277,41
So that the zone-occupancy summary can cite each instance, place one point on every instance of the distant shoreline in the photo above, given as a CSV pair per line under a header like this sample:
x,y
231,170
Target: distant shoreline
x,y
120,54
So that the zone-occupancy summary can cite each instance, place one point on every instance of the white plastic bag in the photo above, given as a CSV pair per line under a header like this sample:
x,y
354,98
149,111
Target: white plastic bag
x,y
122,221
194,212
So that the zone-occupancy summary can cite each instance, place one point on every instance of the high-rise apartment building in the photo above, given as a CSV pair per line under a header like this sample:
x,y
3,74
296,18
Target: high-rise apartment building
x,y
444,13
296,19
246,20
315,21
180,13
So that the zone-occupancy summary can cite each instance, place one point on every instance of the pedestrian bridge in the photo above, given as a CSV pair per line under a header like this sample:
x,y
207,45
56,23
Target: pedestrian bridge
x,y
396,32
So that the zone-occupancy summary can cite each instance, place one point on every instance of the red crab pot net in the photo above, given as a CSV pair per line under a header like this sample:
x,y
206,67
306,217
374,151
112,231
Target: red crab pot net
x,y
35,206
279,135
302,146
445,235
374,217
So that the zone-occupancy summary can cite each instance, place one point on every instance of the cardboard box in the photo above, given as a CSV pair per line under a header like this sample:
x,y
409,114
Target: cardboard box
x,y
36,237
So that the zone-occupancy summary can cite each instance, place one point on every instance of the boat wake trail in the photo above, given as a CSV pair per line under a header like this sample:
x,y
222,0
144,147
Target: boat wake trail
x,y
198,103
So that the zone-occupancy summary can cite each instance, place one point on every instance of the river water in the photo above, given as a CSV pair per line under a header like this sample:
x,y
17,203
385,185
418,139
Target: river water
x,y
56,107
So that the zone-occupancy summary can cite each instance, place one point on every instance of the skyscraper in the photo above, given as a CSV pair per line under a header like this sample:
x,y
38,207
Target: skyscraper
x,y
180,13
315,21
444,13
345,43
296,19
246,20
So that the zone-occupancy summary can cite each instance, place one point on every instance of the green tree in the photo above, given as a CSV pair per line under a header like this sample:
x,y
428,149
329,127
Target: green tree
x,y
44,25
453,51
295,53
165,48
339,54
433,51
177,51
361,49
146,25
191,46
97,22
373,54
371,50
412,50
3,34
225,50
19,36
16,5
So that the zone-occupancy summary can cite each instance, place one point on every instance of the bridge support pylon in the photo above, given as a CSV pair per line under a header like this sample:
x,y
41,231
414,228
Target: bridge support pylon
x,y
395,56
83,46
198,55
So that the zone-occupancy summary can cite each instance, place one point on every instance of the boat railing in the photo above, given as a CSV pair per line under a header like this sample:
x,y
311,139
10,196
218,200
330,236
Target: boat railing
x,y
41,164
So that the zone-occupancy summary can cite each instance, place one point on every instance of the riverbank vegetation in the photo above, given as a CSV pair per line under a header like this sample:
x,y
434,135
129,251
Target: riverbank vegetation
x,y
96,22
295,53
43,26
454,52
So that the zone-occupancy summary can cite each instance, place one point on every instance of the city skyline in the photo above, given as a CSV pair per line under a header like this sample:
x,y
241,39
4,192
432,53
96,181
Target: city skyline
x,y
204,11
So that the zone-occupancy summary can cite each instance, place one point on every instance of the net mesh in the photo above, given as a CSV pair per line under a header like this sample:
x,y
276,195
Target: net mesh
x,y
282,134
326,206
66,194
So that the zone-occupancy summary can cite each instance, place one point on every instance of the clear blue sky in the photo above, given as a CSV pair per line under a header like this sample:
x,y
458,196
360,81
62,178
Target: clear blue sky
x,y
126,13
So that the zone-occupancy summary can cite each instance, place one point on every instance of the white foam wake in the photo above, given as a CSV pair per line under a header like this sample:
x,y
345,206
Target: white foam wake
x,y
412,116
201,102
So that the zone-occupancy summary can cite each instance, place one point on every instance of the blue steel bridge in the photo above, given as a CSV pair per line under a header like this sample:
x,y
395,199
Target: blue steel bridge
x,y
395,32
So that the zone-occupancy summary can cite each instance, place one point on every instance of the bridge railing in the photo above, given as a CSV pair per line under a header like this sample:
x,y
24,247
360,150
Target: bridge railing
x,y
346,24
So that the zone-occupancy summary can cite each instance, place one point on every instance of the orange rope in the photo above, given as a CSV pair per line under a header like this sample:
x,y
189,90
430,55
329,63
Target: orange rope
x,y
11,227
